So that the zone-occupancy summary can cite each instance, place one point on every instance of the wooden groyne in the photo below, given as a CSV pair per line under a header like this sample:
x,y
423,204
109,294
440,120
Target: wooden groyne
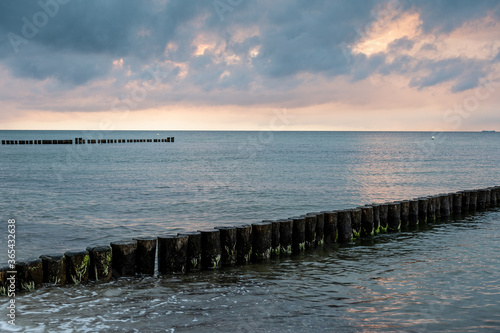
x,y
82,141
226,246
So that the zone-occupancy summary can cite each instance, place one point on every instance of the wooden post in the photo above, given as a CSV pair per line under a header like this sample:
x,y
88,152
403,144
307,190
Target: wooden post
x,y
473,200
146,255
344,226
445,205
331,233
384,215
172,254
450,199
488,197
29,274
275,238
77,267
497,196
286,237
310,231
394,217
124,258
457,203
54,269
431,209
413,213
367,225
405,214
356,222
100,268
320,228
493,196
376,217
465,201
262,240
244,243
423,204
228,236
193,251
5,279
211,253
299,234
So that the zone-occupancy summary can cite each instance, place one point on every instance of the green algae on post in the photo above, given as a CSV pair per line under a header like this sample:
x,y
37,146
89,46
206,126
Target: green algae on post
x,y
394,217
383,216
298,234
310,231
228,245
29,274
262,240
405,214
367,225
77,266
54,268
210,249
100,263
244,239
286,238
355,222
320,228
275,238
193,251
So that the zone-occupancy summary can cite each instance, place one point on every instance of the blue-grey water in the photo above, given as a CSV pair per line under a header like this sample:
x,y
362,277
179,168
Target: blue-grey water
x,y
445,277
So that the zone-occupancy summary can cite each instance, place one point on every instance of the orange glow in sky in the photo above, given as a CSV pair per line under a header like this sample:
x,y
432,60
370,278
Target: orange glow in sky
x,y
407,68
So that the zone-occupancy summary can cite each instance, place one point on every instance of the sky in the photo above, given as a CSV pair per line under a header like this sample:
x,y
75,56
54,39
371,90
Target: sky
x,y
396,65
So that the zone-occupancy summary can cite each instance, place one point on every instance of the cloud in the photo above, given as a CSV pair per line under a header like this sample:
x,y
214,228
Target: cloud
x,y
255,52
401,44
465,73
445,16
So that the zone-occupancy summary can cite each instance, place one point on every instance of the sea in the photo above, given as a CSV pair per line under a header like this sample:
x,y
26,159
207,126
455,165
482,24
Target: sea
x,y
441,277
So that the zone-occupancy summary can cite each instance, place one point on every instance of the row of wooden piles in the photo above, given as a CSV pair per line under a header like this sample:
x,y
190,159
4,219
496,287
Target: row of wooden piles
x,y
213,249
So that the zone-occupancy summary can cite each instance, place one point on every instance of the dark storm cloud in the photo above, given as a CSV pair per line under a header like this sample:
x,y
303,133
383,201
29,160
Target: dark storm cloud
x,y
75,40
80,40
444,16
464,72
306,36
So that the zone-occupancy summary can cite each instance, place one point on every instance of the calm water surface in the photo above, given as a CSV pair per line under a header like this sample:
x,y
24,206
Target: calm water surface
x,y
69,197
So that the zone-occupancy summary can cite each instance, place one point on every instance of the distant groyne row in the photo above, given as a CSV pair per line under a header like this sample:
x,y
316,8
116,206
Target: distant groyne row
x,y
82,141
226,246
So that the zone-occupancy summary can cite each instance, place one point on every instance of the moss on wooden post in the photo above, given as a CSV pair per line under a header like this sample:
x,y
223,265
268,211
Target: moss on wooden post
x,y
77,267
54,269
